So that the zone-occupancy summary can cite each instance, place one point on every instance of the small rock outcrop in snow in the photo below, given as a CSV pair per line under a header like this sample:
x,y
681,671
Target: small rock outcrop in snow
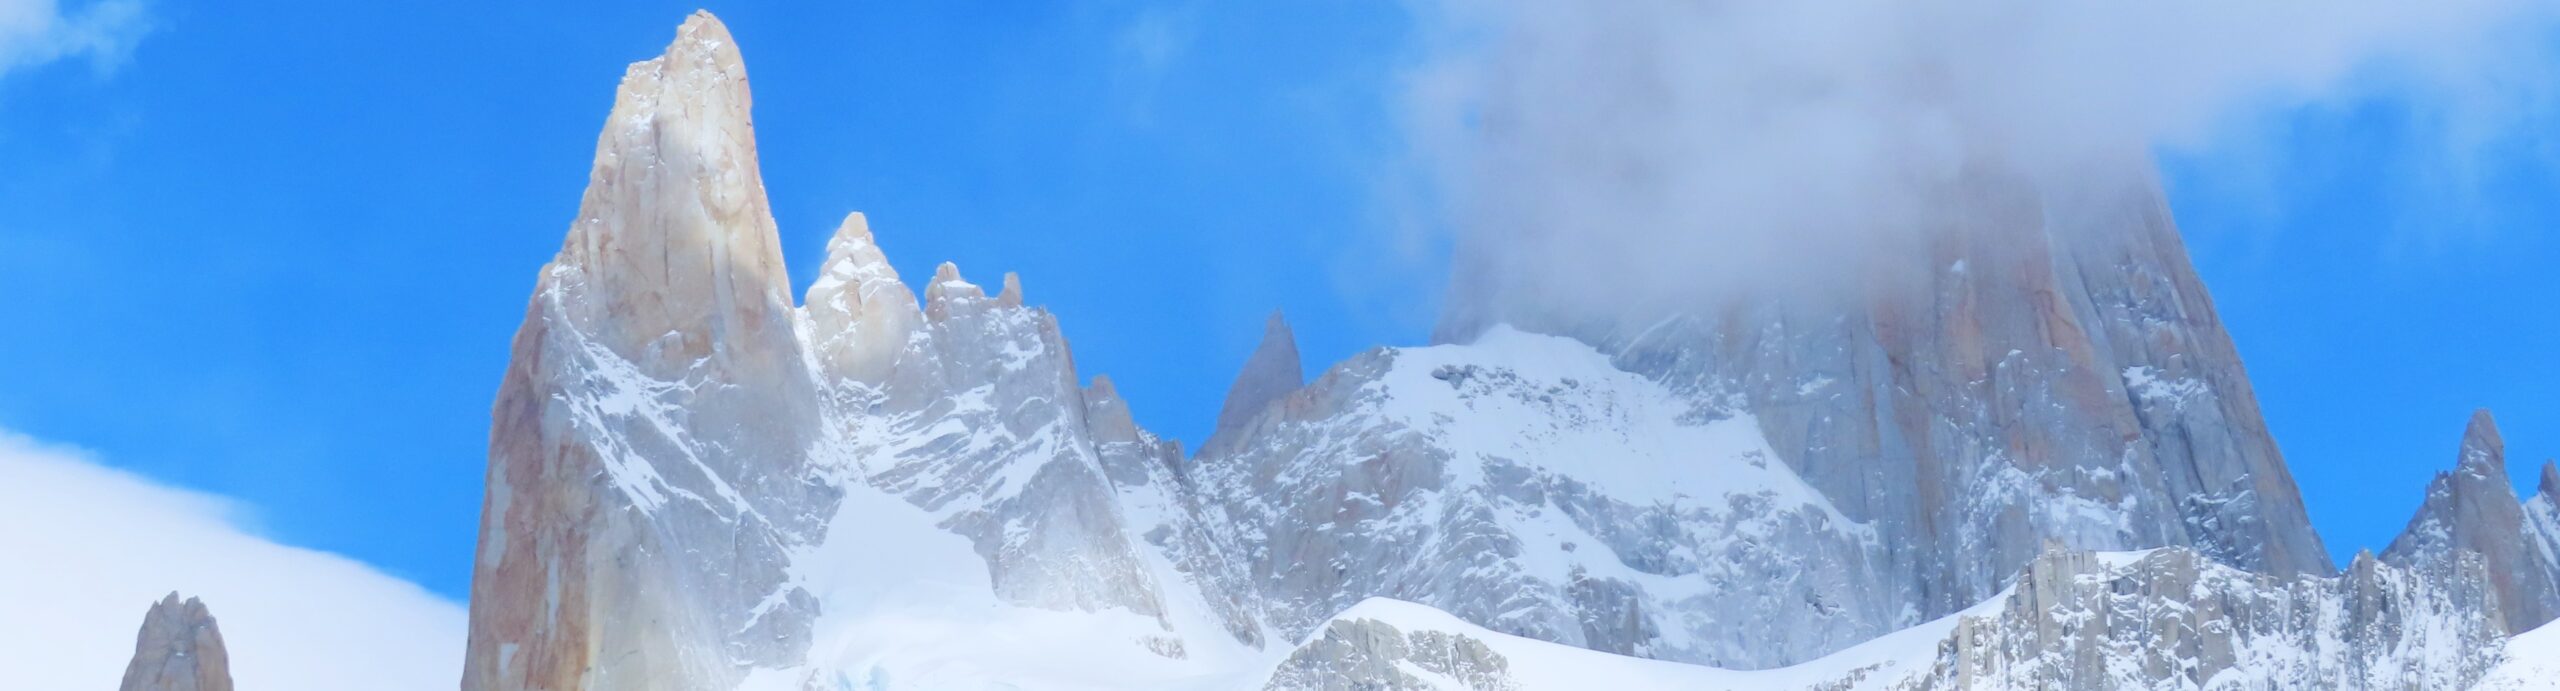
x,y
2473,510
179,649
1363,654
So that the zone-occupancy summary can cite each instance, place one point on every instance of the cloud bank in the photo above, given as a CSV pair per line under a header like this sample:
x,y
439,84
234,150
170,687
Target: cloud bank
x,y
34,32
1602,153
90,548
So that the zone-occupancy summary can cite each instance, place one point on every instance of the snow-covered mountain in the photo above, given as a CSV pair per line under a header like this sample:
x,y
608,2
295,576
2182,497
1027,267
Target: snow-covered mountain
x,y
696,483
1526,483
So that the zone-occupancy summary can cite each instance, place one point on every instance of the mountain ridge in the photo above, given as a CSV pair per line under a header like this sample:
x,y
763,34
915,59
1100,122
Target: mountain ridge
x,y
696,483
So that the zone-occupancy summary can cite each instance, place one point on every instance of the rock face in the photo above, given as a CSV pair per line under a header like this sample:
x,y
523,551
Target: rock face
x,y
673,433
2162,619
2172,619
2054,371
649,457
1270,373
179,649
2472,512
1524,483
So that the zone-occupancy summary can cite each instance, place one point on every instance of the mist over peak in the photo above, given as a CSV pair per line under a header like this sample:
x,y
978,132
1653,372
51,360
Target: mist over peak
x,y
1598,158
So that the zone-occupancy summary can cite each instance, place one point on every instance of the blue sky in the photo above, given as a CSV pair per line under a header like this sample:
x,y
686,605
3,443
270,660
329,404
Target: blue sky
x,y
275,251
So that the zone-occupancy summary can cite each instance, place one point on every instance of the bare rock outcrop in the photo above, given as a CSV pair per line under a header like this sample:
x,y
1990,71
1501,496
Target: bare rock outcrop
x,y
2172,619
1362,654
2473,510
179,649
1270,373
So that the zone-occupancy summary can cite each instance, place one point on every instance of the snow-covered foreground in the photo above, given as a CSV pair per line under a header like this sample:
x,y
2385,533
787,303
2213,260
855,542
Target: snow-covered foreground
x,y
1536,664
2533,662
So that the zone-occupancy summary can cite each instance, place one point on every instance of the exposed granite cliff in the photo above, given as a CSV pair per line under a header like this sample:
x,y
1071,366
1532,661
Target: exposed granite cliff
x,y
649,451
2174,620
2472,510
1270,373
2051,368
178,649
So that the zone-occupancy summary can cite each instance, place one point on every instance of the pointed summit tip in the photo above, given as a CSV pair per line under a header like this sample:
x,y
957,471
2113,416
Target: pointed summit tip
x,y
702,42
2550,480
703,23
1275,330
1011,296
178,648
2481,445
1271,373
855,227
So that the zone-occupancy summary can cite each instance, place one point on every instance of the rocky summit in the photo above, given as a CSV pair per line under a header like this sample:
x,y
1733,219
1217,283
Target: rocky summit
x,y
2471,512
2035,463
179,649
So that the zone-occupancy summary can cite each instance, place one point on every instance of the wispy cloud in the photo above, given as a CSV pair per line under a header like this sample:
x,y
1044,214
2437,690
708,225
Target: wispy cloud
x,y
91,548
1615,152
34,32
1148,47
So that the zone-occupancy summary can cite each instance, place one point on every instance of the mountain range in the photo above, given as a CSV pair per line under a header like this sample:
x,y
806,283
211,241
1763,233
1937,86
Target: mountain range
x,y
2028,458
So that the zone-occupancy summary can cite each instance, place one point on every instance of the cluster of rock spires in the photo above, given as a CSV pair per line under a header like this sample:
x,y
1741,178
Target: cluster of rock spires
x,y
2472,512
1745,486
179,649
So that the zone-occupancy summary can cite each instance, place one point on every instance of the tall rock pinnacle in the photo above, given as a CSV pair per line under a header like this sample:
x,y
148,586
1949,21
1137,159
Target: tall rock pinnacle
x,y
179,649
1270,373
648,467
2474,509
2550,486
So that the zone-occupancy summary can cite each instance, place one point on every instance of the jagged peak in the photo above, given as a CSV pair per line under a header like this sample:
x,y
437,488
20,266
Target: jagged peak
x,y
179,648
2550,486
854,259
2483,451
1011,296
1107,414
860,312
2364,560
948,285
1270,373
674,234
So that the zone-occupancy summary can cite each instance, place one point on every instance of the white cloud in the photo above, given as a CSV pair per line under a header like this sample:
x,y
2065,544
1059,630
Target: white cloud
x,y
88,549
33,32
1603,153
1148,48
